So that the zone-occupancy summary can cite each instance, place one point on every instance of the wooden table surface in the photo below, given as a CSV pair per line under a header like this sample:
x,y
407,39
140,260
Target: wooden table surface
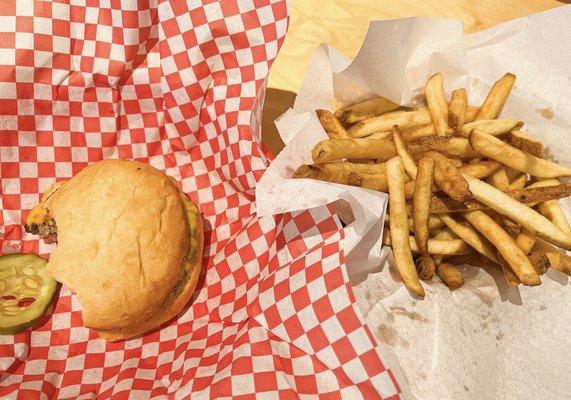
x,y
343,24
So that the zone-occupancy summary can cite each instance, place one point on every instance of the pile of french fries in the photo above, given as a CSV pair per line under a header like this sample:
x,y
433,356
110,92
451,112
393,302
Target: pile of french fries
x,y
465,187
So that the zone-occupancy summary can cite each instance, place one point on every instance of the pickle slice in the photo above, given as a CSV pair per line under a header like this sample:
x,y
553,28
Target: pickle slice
x,y
26,292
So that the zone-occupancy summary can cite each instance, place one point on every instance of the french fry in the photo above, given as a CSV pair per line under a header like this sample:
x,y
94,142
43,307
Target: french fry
x,y
542,183
552,210
470,236
385,122
365,109
525,216
445,234
435,246
499,180
533,195
380,135
450,275
421,202
317,171
417,132
450,145
496,98
336,172
451,181
473,259
439,156
494,127
402,151
510,226
480,169
494,148
540,262
344,166
525,241
457,109
434,223
368,181
560,261
518,183
399,228
437,105
336,149
505,245
331,125
511,277
526,143
471,112
425,266
529,196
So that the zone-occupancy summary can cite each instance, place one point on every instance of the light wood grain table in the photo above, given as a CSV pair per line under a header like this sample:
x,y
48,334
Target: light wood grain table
x,y
343,24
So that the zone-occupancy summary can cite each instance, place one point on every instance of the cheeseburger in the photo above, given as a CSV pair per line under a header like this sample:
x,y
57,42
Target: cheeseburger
x,y
129,244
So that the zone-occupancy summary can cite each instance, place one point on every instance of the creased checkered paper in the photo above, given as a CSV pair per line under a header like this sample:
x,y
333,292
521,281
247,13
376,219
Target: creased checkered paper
x,y
179,85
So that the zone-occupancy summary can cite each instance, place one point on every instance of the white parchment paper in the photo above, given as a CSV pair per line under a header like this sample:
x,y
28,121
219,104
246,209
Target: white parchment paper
x,y
485,340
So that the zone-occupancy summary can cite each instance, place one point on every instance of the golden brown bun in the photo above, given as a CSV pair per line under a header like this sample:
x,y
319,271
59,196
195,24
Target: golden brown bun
x,y
122,236
171,307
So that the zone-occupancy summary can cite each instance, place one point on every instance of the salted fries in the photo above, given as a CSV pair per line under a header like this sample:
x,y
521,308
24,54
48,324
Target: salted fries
x,y
465,186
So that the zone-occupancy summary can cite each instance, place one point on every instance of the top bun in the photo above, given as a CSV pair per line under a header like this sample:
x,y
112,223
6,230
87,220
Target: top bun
x,y
122,239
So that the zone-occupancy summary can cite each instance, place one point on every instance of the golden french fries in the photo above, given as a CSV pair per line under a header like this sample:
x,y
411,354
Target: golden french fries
x,y
470,236
437,104
444,247
399,228
331,125
365,109
518,183
451,181
526,143
506,246
552,210
421,202
480,169
337,172
450,275
445,234
385,122
495,149
449,145
425,266
494,127
415,133
525,240
497,97
500,180
457,109
368,181
527,217
433,162
402,151
434,223
337,149
529,196
509,274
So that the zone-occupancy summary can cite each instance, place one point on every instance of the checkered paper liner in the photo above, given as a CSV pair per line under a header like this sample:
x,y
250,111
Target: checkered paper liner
x,y
178,85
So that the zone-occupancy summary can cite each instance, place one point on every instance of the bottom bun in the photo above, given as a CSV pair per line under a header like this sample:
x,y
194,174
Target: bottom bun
x,y
171,307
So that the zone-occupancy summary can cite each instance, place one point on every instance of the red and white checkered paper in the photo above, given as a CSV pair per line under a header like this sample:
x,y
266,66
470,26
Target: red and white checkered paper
x,y
177,84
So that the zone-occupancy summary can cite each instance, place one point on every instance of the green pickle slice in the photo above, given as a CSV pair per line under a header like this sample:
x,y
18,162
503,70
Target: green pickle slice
x,y
26,292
